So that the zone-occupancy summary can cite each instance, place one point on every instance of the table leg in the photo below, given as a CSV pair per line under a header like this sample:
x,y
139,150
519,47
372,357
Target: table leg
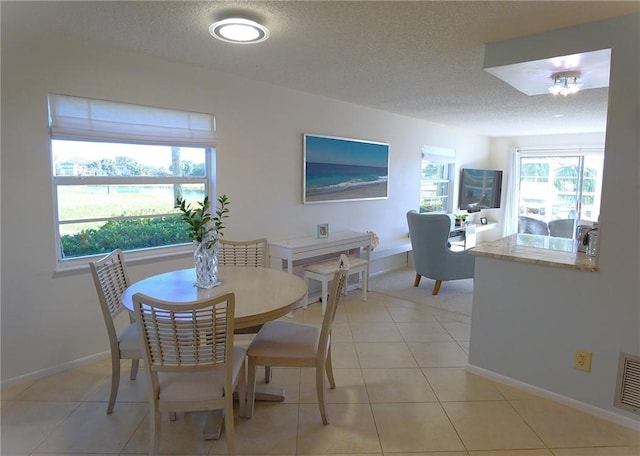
x,y
266,393
213,424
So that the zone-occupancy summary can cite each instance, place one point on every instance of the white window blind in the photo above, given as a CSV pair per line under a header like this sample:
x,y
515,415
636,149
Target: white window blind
x,y
438,154
84,118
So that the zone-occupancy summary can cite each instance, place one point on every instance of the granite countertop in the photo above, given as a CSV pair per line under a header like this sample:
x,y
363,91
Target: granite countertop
x,y
536,249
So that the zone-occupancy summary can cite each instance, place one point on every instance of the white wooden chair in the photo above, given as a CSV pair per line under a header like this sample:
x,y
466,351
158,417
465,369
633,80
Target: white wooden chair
x,y
289,344
323,272
191,361
252,253
111,279
243,253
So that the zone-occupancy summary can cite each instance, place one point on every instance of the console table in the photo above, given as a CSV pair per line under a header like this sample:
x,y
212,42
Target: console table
x,y
290,250
464,237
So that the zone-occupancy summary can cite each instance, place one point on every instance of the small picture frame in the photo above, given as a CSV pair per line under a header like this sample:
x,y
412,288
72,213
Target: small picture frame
x,y
483,220
323,230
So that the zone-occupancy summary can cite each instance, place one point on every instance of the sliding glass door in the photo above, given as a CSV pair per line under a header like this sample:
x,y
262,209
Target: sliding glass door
x,y
558,190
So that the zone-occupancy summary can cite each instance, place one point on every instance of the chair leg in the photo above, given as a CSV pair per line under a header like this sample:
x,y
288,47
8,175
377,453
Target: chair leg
x,y
320,393
229,429
115,382
242,390
325,294
436,287
267,374
154,432
365,283
329,369
251,387
306,301
135,363
416,282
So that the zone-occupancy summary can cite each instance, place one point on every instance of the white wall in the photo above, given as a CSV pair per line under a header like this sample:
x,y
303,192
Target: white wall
x,y
50,320
528,320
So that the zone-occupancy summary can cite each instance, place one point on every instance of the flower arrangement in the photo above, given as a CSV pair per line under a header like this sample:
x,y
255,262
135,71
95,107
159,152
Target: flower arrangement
x,y
200,220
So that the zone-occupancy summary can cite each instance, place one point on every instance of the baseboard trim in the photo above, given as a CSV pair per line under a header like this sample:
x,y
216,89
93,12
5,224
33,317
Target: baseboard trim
x,y
53,370
564,400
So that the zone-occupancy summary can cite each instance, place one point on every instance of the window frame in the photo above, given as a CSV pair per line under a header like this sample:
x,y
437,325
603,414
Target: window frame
x,y
197,141
441,156
450,181
580,153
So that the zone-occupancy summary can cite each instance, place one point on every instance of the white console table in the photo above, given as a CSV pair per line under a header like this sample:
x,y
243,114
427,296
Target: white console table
x,y
464,237
290,250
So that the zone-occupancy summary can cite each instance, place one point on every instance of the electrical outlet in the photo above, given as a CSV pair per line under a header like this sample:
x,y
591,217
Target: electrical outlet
x,y
582,360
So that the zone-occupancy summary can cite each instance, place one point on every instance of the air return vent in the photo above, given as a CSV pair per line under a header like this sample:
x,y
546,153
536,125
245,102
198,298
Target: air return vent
x,y
628,385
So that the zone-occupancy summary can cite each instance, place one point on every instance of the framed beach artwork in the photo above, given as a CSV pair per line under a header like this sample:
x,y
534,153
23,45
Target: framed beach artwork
x,y
339,169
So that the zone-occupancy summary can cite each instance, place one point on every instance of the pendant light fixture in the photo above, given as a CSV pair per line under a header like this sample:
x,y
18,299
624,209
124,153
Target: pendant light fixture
x,y
565,83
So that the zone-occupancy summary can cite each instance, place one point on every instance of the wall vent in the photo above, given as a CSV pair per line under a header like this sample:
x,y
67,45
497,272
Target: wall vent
x,y
627,395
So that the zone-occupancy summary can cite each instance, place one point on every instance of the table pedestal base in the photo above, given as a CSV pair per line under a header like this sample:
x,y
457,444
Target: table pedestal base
x,y
213,424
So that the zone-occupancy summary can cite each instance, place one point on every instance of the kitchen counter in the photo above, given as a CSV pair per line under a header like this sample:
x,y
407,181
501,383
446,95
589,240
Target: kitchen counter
x,y
537,249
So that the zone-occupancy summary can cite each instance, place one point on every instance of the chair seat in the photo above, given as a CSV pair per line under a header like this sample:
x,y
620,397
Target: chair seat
x,y
129,342
197,386
284,339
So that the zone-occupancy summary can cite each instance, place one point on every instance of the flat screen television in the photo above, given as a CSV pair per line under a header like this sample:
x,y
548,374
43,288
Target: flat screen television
x,y
480,189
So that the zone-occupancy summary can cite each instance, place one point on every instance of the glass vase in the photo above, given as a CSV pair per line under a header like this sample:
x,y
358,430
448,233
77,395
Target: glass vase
x,y
205,256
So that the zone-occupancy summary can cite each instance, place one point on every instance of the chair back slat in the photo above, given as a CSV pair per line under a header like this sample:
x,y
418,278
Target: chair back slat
x,y
183,336
243,253
111,279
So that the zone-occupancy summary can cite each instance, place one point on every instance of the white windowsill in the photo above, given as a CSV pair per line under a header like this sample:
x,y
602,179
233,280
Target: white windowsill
x,y
70,267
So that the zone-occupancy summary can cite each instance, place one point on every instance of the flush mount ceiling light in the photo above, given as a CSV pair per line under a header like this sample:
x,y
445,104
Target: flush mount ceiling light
x,y
239,30
565,83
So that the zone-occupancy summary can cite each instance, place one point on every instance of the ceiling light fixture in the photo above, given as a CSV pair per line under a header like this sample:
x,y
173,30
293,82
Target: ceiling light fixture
x,y
565,83
239,30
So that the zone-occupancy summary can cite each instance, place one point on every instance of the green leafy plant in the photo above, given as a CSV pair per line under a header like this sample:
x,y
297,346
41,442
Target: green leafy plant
x,y
200,220
462,217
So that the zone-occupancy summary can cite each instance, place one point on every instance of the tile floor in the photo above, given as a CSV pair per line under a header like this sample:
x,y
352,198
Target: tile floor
x,y
402,389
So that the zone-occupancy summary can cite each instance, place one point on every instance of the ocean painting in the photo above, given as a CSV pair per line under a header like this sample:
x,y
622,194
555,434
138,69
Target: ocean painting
x,y
338,169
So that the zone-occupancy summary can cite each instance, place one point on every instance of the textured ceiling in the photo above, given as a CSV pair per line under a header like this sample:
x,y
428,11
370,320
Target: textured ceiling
x,y
420,59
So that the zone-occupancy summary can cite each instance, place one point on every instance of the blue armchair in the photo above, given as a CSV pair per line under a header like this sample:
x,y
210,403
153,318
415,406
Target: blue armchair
x,y
431,254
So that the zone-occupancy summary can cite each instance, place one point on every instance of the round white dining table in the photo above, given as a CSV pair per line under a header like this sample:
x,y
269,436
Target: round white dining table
x,y
262,294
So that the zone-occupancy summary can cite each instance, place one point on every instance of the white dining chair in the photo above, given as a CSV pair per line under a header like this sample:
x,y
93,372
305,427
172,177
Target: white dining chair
x,y
290,344
243,253
251,253
191,360
111,279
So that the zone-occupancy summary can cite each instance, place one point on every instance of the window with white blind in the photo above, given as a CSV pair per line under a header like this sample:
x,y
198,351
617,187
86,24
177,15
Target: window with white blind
x,y
117,170
437,179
